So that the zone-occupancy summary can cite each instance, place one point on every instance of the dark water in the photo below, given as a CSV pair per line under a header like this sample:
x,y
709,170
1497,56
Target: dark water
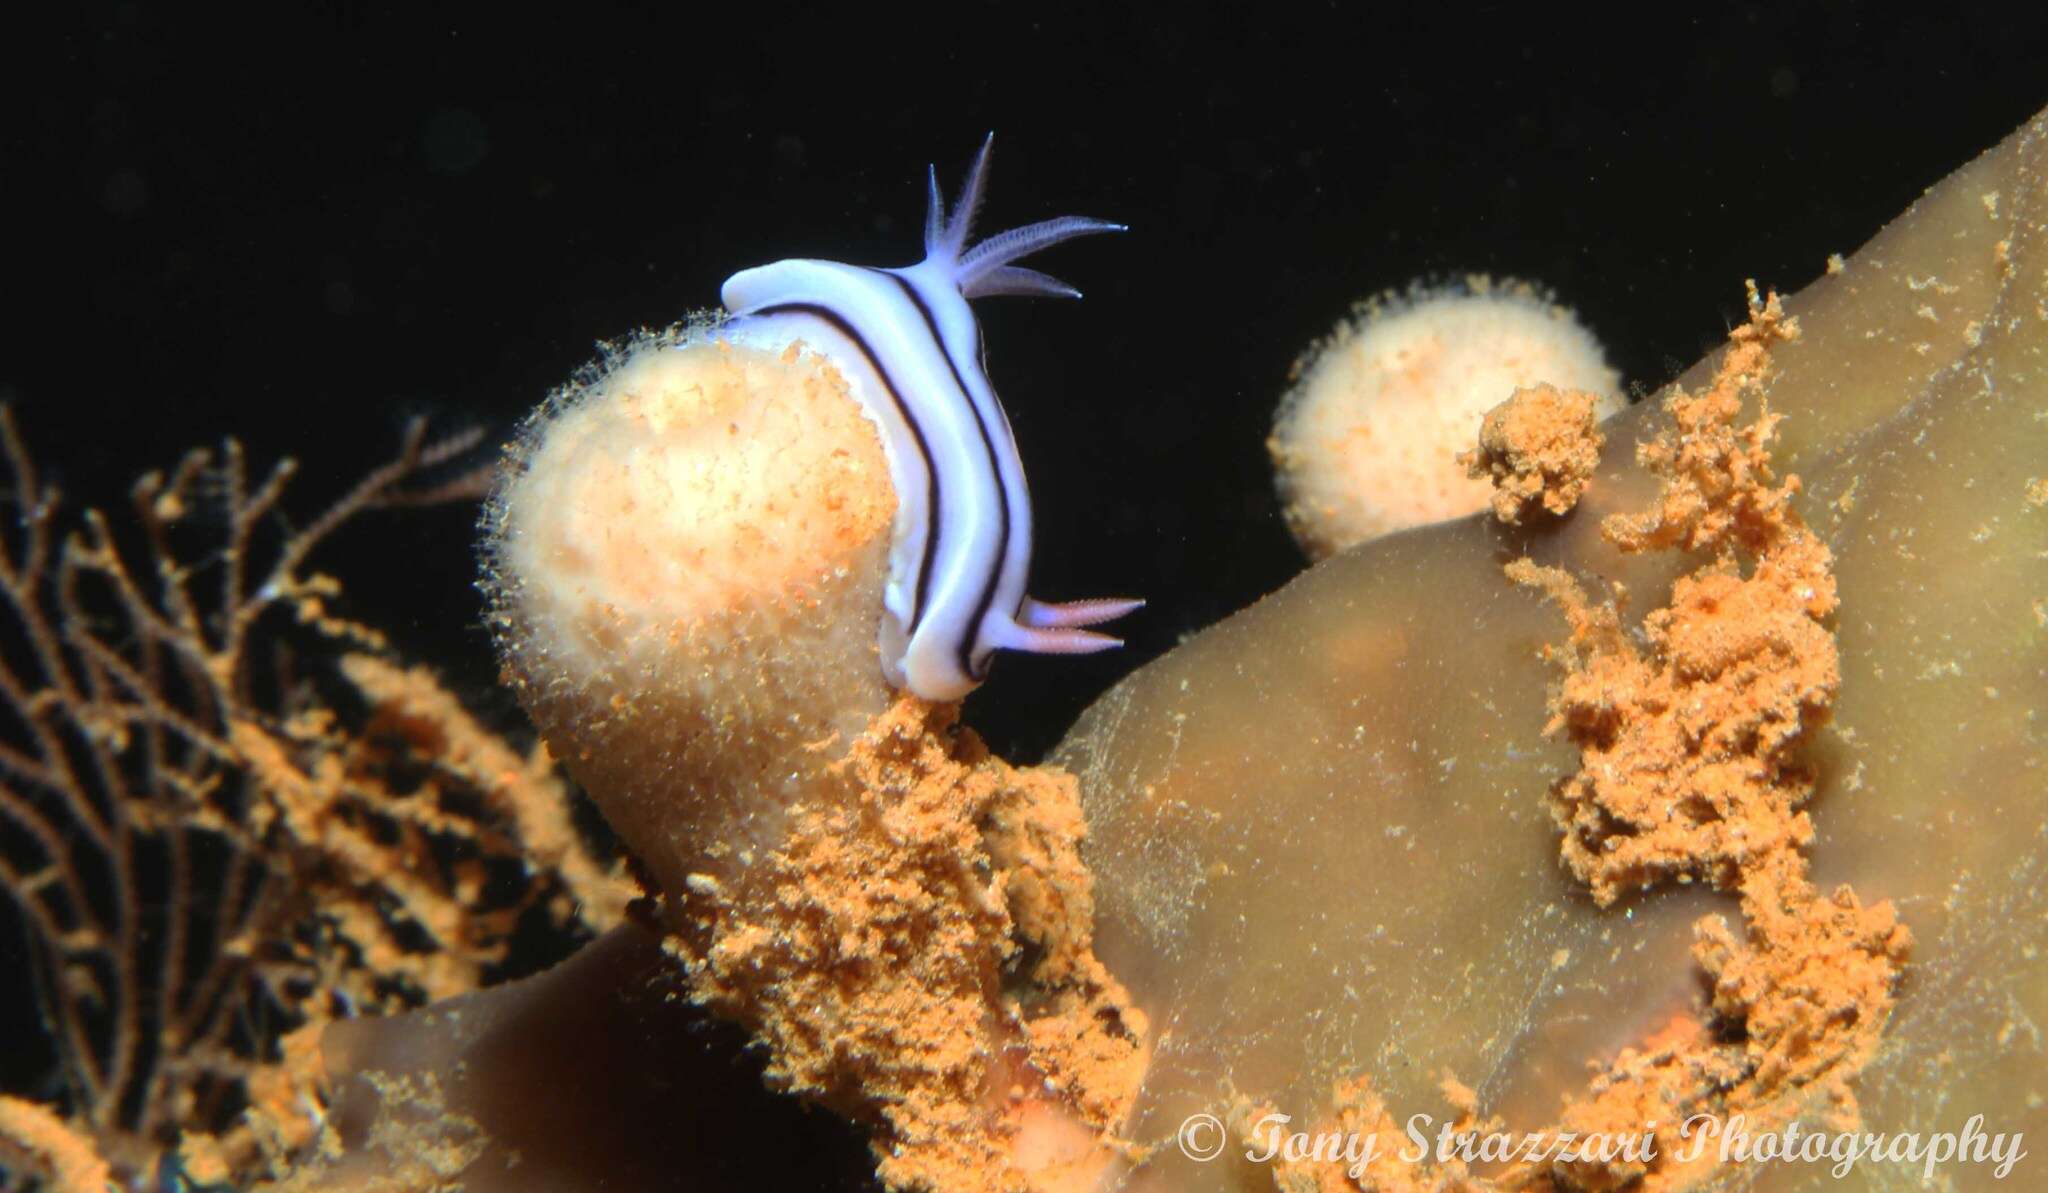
x,y
303,227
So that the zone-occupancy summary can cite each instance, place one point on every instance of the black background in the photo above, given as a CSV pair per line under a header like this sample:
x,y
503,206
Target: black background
x,y
303,225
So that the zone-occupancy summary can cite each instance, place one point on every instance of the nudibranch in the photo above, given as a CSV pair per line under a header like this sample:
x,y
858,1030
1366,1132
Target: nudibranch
x,y
694,539
907,342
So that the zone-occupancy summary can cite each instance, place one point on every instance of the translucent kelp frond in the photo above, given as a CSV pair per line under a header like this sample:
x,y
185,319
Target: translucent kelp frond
x,y
227,816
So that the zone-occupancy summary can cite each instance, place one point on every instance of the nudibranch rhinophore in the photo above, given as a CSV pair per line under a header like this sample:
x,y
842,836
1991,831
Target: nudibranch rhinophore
x,y
908,342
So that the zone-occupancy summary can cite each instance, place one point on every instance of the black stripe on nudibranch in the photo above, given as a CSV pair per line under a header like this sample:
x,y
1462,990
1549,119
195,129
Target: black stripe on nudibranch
x,y
965,648
934,516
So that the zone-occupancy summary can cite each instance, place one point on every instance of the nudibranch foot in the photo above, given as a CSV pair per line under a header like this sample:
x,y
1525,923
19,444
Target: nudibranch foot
x,y
909,344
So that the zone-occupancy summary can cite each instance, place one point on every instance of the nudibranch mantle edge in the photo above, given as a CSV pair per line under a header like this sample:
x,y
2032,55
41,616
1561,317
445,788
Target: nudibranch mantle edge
x,y
910,348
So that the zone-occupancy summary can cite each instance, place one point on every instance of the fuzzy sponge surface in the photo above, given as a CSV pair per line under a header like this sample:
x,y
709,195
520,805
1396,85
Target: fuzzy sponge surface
x,y
685,562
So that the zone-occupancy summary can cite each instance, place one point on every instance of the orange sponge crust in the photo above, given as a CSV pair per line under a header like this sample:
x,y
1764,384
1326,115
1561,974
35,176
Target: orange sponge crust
x,y
920,956
1538,448
1689,771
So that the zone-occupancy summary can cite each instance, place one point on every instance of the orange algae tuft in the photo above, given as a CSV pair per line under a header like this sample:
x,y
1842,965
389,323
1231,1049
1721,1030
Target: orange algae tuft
x,y
921,957
1539,447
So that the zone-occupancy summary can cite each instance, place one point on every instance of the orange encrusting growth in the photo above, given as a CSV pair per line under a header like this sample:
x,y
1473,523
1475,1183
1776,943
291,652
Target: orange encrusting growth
x,y
1365,441
1689,756
1539,447
923,961
1688,770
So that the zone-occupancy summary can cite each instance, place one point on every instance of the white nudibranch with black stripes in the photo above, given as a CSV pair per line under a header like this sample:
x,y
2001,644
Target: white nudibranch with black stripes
x,y
695,540
908,344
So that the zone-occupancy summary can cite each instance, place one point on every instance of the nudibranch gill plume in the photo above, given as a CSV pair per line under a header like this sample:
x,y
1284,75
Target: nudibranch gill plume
x,y
908,343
